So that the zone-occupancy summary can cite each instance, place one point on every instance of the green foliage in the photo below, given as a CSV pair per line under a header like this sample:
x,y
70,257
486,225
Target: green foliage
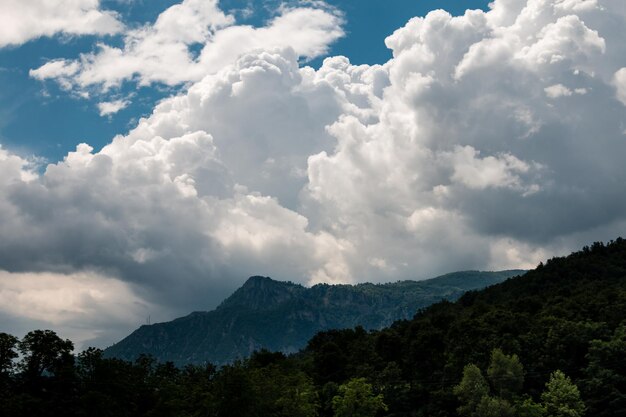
x,y
529,408
494,407
605,381
471,391
561,397
298,397
506,374
357,399
330,363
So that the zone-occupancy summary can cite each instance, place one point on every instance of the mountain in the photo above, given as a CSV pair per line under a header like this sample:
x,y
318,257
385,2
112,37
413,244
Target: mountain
x,y
283,316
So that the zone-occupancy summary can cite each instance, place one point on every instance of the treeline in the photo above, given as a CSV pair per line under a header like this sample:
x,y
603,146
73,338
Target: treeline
x,y
551,343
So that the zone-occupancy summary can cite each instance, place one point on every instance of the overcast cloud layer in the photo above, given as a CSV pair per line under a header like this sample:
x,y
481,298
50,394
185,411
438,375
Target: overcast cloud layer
x,y
490,140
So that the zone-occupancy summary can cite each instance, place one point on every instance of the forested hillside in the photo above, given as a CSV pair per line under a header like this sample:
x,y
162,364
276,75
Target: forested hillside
x,y
550,343
568,315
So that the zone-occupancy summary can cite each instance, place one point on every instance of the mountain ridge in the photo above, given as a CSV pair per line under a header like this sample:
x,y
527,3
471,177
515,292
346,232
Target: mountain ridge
x,y
283,316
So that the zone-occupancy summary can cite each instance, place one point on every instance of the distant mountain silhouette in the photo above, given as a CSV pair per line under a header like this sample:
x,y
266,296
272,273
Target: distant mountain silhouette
x,y
283,316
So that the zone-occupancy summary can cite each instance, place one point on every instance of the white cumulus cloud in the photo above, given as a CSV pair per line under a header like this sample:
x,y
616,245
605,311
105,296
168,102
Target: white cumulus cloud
x,y
620,84
108,108
24,20
162,52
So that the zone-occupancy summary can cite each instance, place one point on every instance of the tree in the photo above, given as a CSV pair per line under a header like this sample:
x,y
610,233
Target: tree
x,y
234,393
506,374
44,351
330,363
8,344
7,355
494,407
356,399
88,362
561,397
605,382
529,408
471,390
299,398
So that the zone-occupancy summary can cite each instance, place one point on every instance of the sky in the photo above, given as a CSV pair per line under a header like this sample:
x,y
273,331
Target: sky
x,y
155,154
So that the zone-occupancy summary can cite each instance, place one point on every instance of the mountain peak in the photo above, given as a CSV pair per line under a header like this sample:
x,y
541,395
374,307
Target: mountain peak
x,y
260,293
258,280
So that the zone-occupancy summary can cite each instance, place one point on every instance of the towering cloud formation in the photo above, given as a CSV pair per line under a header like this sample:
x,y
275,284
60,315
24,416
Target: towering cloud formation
x,y
490,140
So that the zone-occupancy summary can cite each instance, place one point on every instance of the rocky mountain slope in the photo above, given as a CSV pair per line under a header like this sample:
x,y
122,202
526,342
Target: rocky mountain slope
x,y
283,316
